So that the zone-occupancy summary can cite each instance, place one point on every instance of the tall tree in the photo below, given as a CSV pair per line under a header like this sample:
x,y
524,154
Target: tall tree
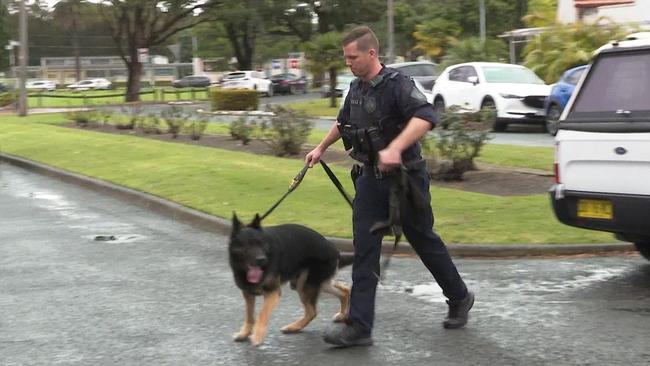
x,y
68,14
242,23
4,35
297,17
137,24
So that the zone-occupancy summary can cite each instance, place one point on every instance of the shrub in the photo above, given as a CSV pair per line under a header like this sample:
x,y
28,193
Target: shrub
x,y
241,129
288,131
175,119
7,99
458,145
234,99
105,115
133,111
195,128
150,124
82,118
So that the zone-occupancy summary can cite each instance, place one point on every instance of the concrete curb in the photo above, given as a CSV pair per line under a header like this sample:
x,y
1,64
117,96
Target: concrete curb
x,y
220,225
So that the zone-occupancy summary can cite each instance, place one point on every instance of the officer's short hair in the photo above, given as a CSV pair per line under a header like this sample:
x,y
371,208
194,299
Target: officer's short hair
x,y
365,38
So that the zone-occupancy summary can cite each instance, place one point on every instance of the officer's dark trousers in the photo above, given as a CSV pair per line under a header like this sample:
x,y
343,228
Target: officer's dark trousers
x,y
370,206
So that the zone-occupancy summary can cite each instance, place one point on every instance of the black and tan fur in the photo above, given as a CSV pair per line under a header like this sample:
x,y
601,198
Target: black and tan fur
x,y
263,259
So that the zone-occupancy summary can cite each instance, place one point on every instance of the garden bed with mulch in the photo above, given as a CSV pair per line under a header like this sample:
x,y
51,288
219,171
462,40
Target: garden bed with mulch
x,y
492,180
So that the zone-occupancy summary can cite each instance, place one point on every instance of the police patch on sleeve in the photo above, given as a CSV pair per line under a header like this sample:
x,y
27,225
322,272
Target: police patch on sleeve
x,y
417,94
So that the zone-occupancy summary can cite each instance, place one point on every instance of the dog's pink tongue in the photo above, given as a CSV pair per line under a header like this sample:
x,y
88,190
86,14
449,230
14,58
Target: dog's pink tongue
x,y
254,274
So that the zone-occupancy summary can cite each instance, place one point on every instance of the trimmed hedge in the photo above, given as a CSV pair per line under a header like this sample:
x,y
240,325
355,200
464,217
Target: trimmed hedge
x,y
234,99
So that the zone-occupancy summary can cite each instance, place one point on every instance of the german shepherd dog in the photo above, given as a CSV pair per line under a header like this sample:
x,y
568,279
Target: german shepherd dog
x,y
263,259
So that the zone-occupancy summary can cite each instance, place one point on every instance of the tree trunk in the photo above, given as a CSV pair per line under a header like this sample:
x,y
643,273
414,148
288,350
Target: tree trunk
x,y
133,82
75,45
333,87
77,59
242,51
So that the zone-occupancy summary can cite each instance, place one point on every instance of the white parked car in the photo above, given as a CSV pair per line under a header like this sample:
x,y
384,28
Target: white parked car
x,y
602,167
87,84
48,85
515,91
252,80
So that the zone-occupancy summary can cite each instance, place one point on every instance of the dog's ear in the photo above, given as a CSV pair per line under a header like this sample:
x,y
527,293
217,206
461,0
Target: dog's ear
x,y
236,224
257,222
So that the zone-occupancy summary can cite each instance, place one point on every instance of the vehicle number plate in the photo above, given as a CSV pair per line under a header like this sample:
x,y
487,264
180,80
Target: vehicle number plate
x,y
595,209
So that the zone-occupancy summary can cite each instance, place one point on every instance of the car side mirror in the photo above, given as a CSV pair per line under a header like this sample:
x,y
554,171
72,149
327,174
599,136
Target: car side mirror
x,y
473,79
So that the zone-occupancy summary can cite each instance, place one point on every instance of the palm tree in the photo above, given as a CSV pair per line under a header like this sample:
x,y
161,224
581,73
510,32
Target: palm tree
x,y
563,46
323,53
472,49
434,36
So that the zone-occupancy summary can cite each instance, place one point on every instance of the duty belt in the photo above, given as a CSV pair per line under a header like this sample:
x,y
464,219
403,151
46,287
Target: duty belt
x,y
409,166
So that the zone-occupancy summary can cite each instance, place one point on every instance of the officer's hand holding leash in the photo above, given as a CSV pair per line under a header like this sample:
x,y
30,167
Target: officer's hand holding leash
x,y
389,159
313,157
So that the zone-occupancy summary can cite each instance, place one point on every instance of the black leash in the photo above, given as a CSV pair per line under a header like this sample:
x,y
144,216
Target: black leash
x,y
336,182
292,187
299,177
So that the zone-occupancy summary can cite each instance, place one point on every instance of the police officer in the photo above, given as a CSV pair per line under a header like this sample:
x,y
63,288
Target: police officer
x,y
382,120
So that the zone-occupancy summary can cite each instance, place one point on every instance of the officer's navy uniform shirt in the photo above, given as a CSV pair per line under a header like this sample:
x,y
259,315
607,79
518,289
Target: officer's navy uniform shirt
x,y
394,100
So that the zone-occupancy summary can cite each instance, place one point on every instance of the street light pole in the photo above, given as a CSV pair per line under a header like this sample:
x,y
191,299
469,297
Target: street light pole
x,y
22,99
390,54
482,19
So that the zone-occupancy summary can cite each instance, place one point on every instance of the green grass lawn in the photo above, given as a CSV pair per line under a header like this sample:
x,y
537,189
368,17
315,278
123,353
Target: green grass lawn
x,y
317,107
518,156
219,182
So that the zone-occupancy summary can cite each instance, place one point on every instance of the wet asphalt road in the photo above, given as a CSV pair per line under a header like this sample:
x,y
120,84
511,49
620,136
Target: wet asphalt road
x,y
162,294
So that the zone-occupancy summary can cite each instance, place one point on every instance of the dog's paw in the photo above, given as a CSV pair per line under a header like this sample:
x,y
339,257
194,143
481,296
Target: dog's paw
x,y
256,341
240,337
290,329
339,318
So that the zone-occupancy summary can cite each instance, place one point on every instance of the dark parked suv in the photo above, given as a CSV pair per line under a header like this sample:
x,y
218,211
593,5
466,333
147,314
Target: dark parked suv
x,y
193,81
423,71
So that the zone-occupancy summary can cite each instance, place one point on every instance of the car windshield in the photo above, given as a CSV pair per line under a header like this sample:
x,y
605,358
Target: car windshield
x,y
236,75
511,75
616,82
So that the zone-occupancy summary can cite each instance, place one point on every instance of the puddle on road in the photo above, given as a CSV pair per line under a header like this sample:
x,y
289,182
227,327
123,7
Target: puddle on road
x,y
115,239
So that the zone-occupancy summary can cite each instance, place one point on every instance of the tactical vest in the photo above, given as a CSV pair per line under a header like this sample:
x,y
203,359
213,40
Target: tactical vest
x,y
370,127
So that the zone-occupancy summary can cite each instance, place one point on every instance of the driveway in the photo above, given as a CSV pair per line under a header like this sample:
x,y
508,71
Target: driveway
x,y
161,293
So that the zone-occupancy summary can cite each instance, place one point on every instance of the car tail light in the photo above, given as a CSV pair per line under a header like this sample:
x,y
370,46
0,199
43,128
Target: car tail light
x,y
556,165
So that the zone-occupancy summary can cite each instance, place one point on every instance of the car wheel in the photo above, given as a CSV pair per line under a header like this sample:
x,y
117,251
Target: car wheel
x,y
644,248
269,92
439,108
552,119
497,125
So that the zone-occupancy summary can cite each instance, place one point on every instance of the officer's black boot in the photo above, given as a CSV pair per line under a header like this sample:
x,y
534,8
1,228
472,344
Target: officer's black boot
x,y
458,312
347,336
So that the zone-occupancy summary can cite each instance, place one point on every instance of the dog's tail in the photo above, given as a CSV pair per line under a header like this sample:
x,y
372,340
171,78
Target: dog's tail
x,y
345,259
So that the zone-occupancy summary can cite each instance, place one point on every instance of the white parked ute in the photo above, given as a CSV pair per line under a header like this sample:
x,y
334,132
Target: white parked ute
x,y
602,163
